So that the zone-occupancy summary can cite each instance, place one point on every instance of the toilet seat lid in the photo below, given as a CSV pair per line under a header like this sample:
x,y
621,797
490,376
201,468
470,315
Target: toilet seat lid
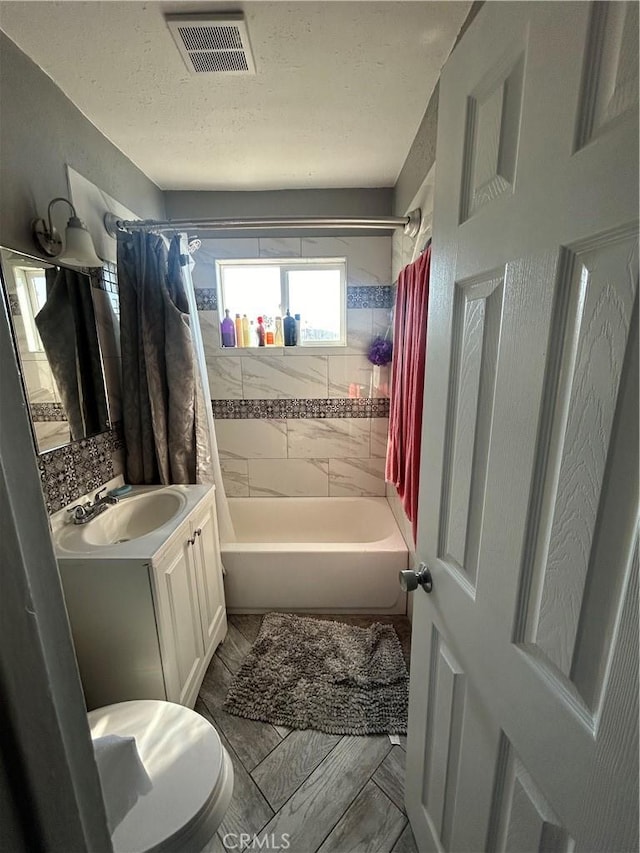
x,y
183,756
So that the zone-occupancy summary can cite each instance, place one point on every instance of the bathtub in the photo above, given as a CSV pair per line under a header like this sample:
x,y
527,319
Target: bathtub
x,y
314,555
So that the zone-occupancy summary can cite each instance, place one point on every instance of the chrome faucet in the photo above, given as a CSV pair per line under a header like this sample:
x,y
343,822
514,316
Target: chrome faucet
x,y
83,513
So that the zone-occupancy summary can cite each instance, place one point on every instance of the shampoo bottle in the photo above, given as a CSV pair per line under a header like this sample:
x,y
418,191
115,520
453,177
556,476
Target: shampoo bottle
x,y
228,331
289,330
239,339
278,339
269,332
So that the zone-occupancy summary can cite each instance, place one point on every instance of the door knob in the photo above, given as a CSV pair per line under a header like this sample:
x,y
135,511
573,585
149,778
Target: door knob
x,y
410,579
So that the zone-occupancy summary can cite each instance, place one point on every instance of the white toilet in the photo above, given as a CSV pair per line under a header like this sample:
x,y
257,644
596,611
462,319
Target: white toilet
x,y
190,772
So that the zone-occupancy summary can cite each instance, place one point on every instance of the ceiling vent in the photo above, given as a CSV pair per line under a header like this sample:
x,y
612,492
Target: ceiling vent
x,y
213,44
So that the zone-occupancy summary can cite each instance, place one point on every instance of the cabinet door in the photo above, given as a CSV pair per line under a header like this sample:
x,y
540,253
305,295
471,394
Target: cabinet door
x,y
179,620
209,572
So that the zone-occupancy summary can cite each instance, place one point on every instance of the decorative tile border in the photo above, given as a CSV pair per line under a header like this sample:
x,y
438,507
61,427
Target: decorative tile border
x,y
77,468
47,412
331,407
206,298
14,305
358,296
370,296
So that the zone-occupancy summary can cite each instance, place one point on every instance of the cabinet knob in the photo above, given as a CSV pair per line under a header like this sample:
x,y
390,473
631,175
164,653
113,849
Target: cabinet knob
x,y
192,539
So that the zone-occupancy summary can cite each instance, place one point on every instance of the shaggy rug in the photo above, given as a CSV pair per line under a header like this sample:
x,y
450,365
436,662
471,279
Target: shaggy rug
x,y
311,674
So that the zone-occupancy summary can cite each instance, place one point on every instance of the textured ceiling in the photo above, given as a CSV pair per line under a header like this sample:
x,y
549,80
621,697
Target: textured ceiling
x,y
338,96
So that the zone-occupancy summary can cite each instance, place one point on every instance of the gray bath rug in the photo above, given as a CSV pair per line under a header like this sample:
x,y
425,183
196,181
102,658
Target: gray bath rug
x,y
310,674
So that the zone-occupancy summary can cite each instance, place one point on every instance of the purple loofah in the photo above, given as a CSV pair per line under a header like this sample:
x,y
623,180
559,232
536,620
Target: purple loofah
x,y
380,351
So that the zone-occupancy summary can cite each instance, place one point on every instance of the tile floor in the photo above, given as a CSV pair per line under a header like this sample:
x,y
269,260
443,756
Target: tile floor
x,y
306,790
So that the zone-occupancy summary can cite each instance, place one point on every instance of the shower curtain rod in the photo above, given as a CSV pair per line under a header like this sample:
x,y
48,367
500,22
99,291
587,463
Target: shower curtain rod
x,y
410,223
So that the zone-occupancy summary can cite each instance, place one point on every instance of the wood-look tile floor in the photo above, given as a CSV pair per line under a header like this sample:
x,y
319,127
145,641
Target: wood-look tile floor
x,y
305,789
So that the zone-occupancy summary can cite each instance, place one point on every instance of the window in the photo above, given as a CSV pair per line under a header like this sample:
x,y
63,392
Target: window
x,y
313,288
31,288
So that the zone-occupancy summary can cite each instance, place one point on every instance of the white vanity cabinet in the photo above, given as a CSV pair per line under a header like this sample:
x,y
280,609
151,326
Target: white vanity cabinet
x,y
146,617
187,581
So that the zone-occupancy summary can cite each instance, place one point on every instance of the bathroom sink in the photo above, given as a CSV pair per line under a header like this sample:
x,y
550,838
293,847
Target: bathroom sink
x,y
132,518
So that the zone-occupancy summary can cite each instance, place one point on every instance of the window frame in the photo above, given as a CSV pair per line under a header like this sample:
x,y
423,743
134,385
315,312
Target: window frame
x,y
29,304
286,266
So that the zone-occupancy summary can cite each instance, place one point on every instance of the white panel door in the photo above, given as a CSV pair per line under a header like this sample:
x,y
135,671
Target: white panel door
x,y
523,723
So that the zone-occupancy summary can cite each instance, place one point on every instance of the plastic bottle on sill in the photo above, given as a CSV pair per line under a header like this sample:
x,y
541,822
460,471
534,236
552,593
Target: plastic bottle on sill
x,y
277,337
239,337
228,331
289,330
246,334
298,330
260,332
268,333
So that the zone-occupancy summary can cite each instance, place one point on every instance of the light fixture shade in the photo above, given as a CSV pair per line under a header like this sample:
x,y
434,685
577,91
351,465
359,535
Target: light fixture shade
x,y
78,249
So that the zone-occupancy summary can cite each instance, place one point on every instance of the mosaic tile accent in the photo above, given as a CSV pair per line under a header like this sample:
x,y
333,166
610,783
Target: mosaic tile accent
x,y
14,305
370,296
68,472
206,298
47,412
330,407
106,278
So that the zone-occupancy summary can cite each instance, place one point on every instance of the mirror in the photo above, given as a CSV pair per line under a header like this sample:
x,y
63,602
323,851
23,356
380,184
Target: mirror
x,y
61,347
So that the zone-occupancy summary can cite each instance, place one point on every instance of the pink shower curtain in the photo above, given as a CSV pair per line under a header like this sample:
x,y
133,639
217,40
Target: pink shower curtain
x,y
407,381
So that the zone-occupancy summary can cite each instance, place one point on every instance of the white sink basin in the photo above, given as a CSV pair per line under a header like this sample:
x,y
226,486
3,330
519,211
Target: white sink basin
x,y
130,519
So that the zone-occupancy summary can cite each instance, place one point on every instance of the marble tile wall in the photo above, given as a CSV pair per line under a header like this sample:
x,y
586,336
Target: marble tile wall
x,y
301,421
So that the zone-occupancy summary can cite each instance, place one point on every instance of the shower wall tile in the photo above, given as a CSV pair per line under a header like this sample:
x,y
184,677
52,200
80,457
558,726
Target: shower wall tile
x,y
210,328
252,439
349,370
288,477
216,249
368,258
359,329
286,424
107,323
225,378
38,378
397,253
348,477
235,477
379,433
52,433
279,247
113,381
328,437
273,376
382,322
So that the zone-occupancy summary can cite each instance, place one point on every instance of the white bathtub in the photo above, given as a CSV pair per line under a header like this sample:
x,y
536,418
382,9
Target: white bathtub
x,y
315,555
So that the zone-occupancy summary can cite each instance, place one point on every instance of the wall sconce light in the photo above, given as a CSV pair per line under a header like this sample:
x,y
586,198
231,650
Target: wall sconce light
x,y
78,250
